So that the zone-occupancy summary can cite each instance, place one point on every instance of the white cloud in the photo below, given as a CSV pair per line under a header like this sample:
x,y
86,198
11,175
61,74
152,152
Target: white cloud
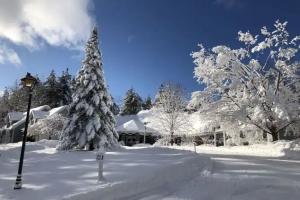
x,y
9,55
31,23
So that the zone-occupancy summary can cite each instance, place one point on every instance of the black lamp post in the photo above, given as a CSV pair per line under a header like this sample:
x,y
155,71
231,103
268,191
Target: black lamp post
x,y
145,123
28,82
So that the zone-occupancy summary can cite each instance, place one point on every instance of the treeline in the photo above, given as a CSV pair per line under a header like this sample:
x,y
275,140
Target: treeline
x,y
57,91
133,103
54,91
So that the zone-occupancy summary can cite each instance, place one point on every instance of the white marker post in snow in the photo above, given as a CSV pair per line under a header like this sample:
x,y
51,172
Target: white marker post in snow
x,y
100,159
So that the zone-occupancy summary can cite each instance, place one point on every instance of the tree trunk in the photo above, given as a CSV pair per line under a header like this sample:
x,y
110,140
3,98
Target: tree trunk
x,y
172,138
90,146
274,133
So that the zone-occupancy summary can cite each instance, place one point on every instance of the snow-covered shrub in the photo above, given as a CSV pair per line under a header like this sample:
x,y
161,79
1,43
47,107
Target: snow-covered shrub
x,y
164,141
122,143
48,128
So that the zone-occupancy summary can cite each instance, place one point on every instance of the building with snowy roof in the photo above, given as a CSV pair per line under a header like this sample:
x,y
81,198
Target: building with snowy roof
x,y
135,131
13,131
13,117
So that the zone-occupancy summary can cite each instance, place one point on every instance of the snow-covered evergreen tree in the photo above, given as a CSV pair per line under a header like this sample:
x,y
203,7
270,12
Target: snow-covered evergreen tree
x,y
18,98
115,109
39,97
4,106
91,120
65,82
147,104
52,91
132,103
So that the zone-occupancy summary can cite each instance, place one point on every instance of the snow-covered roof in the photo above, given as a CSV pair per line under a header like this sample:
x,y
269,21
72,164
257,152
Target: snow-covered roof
x,y
22,121
40,108
15,116
123,119
134,125
57,110
38,114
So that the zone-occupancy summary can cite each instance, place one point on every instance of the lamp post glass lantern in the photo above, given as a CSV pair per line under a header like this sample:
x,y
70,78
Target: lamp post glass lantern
x,y
28,82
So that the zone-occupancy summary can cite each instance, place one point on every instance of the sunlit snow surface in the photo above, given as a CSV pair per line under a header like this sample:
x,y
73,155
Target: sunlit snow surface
x,y
50,174
152,173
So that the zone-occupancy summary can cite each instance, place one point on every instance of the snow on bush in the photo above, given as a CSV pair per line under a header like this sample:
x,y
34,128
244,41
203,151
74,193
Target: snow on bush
x,y
49,127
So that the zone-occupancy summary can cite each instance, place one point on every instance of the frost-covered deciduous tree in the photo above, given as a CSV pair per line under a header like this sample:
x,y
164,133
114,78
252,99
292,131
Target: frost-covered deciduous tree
x,y
157,96
91,120
195,103
132,103
170,109
259,82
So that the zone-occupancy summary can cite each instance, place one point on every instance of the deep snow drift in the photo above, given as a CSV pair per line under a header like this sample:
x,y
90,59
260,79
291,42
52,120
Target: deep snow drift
x,y
48,174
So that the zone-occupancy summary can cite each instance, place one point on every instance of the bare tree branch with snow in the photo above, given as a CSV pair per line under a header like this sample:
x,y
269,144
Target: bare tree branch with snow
x,y
170,109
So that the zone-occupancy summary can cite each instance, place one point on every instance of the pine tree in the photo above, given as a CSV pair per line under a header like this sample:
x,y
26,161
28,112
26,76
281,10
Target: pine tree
x,y
65,87
115,109
90,118
132,103
18,98
4,106
38,96
52,91
5,97
147,104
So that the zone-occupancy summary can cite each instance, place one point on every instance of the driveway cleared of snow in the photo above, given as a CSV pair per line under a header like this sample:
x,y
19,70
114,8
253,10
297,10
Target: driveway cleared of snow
x,y
52,175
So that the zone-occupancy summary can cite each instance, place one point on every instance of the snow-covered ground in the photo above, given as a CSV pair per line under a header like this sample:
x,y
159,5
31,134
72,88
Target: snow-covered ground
x,y
255,172
237,177
130,172
286,149
259,172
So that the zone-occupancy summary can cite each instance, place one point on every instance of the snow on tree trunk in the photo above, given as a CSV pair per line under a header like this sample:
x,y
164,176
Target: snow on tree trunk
x,y
90,118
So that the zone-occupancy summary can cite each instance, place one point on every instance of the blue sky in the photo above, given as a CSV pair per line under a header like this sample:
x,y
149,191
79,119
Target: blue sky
x,y
143,42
